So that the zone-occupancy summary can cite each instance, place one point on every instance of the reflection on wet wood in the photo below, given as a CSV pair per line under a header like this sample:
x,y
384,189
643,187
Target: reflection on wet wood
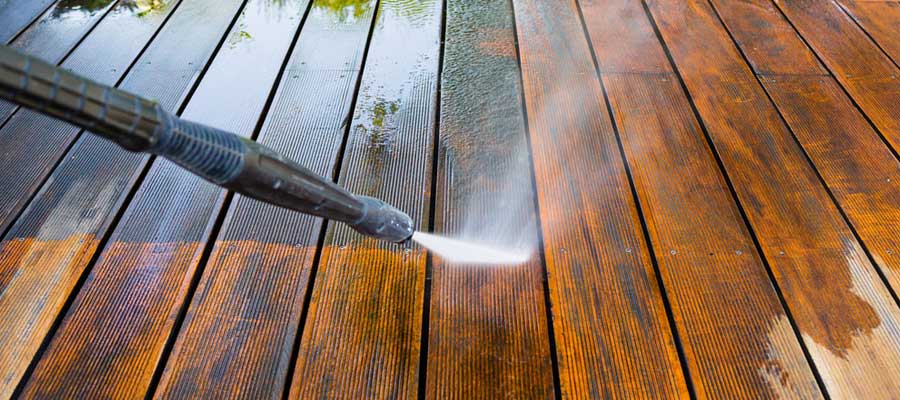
x,y
120,321
240,329
488,330
709,253
363,329
612,335
16,16
817,262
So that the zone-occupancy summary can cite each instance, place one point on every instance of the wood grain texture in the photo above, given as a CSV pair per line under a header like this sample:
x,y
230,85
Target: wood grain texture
x,y
488,329
15,16
56,32
612,334
854,162
856,62
845,314
735,334
33,143
363,329
881,20
62,226
112,338
240,329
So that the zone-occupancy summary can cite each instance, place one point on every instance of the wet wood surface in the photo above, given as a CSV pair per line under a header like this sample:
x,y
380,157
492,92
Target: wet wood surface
x,y
710,252
709,192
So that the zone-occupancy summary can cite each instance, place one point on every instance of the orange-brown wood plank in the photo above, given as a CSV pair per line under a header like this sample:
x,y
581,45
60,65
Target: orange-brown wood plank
x,y
47,249
855,163
112,338
881,20
239,332
488,329
845,314
15,16
363,329
706,255
855,61
56,32
612,334
33,143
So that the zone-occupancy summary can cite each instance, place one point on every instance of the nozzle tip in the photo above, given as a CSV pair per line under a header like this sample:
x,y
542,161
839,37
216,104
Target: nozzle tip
x,y
383,221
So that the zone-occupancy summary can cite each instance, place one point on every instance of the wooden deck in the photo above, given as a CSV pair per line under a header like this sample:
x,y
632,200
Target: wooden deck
x,y
714,186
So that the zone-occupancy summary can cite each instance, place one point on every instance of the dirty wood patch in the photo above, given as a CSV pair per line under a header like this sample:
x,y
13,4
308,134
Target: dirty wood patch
x,y
706,254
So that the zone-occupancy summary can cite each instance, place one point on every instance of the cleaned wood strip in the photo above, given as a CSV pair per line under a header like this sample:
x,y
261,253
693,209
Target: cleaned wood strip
x,y
363,328
34,143
612,334
845,314
112,338
856,62
488,331
736,336
16,15
881,20
53,36
240,330
855,163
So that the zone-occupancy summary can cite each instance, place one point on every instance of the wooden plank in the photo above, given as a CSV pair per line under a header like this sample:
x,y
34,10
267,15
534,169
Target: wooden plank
x,y
54,35
61,228
239,332
363,327
612,335
845,314
855,163
33,143
881,20
15,16
488,329
111,340
870,77
705,252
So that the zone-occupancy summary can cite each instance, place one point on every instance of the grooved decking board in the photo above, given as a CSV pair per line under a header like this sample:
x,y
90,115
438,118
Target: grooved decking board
x,y
845,314
881,20
242,324
612,336
33,143
363,327
858,64
488,332
52,36
63,226
855,163
707,258
113,336
16,15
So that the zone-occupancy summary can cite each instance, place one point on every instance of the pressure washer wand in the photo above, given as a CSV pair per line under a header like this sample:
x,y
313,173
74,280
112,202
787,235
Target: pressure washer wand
x,y
223,158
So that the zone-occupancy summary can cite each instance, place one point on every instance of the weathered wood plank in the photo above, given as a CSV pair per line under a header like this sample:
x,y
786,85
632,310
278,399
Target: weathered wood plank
x,y
61,228
110,342
864,70
240,329
53,36
488,329
612,334
16,15
33,143
855,163
705,252
845,314
363,327
881,20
